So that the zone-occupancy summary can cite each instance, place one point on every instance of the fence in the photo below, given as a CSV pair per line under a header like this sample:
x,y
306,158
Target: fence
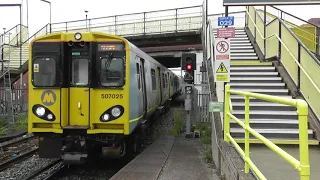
x,y
19,100
153,22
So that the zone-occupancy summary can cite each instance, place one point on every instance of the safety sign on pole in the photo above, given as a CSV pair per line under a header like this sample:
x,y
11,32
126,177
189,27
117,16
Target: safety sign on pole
x,y
222,60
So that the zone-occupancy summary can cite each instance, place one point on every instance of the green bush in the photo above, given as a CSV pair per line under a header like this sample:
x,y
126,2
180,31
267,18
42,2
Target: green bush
x,y
205,132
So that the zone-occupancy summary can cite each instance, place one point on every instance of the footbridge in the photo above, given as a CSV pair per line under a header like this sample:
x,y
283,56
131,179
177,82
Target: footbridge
x,y
270,124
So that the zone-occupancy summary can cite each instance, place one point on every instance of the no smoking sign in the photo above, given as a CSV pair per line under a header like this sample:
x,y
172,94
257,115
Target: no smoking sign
x,y
222,49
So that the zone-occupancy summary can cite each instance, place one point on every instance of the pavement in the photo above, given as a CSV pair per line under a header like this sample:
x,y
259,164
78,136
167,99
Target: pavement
x,y
185,162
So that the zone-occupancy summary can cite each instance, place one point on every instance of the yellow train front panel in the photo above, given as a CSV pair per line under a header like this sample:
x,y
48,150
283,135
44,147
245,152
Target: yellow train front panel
x,y
76,93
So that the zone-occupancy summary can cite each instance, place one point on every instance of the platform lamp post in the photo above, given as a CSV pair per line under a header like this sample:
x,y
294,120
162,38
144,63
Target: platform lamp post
x,y
86,19
50,11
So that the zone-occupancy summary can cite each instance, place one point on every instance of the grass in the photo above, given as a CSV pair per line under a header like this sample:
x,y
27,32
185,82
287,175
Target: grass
x,y
21,124
205,139
178,118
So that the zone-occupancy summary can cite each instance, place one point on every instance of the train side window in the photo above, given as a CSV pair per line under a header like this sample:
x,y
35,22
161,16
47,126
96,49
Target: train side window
x,y
163,81
166,80
138,76
80,72
44,72
153,78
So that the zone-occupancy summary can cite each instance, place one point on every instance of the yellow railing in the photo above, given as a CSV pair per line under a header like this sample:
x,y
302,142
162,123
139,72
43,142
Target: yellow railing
x,y
301,166
308,81
306,33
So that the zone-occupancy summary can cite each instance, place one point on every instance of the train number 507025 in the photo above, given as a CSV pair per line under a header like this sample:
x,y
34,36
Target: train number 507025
x,y
111,96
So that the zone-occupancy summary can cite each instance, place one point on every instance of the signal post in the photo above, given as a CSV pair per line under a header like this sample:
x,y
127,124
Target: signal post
x,y
189,64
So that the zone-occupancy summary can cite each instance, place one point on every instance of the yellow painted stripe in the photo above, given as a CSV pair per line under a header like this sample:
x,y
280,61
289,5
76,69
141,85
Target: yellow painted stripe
x,y
278,141
135,119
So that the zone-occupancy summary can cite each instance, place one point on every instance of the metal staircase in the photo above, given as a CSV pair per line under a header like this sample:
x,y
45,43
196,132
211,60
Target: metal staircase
x,y
278,123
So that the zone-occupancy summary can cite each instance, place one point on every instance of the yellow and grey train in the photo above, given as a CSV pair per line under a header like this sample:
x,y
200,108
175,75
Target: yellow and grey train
x,y
92,93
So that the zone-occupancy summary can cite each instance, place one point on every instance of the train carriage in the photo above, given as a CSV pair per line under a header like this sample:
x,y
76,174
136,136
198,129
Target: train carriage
x,y
92,92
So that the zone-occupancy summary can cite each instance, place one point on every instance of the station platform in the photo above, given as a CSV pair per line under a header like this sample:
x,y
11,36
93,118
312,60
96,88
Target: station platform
x,y
168,158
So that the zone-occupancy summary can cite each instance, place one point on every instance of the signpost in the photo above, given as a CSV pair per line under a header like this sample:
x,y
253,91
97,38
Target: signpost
x,y
222,60
227,32
226,21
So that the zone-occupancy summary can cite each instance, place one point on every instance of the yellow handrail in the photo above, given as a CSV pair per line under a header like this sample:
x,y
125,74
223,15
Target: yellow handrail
x,y
302,109
284,45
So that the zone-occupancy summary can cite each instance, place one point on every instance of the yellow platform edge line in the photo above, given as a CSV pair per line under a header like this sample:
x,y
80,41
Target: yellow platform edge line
x,y
278,141
250,63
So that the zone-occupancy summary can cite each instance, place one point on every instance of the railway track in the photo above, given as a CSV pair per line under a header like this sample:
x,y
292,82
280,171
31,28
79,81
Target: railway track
x,y
41,172
16,151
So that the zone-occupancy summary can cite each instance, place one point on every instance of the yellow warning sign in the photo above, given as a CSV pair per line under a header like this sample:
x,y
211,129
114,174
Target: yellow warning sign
x,y
222,69
36,68
222,78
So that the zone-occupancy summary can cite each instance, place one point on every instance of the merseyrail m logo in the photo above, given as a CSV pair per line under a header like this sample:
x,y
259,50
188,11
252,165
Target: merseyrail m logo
x,y
48,98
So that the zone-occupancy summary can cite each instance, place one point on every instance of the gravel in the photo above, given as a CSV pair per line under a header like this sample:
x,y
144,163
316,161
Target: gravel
x,y
24,168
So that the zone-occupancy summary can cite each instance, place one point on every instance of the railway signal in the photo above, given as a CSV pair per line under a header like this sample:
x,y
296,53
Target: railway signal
x,y
190,65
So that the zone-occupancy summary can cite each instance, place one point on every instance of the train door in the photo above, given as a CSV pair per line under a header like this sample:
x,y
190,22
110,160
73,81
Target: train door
x,y
79,91
160,85
144,92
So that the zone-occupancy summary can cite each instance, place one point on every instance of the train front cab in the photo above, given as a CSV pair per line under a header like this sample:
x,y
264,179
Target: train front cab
x,y
78,91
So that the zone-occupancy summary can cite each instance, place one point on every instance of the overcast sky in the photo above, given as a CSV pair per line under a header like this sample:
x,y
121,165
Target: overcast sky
x,y
66,10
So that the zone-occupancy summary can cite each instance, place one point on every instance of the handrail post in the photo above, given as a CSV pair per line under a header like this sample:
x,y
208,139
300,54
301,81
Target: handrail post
x,y
226,123
247,134
302,110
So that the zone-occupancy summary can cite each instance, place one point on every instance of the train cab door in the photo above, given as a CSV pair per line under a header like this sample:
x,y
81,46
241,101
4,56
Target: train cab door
x,y
144,92
79,92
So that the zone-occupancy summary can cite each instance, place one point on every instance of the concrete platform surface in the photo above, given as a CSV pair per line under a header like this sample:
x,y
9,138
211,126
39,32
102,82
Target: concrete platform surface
x,y
274,167
185,162
148,164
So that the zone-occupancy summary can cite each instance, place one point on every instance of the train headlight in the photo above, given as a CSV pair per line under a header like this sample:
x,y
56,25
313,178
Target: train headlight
x,y
115,112
50,116
77,36
40,111
105,117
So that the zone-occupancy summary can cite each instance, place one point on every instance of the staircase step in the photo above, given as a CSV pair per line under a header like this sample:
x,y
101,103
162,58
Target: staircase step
x,y
240,44
258,85
241,51
261,106
266,114
244,54
253,68
254,74
256,79
271,133
244,57
238,98
268,123
236,41
239,47
274,92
